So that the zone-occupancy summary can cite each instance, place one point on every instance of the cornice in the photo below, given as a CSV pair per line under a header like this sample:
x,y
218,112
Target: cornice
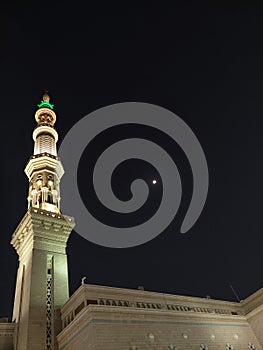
x,y
43,161
41,229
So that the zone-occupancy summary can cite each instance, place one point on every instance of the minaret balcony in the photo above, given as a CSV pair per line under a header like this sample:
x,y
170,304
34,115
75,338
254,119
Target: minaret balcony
x,y
44,161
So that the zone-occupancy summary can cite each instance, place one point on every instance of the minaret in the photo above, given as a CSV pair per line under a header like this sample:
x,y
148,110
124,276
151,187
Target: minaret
x,y
40,241
44,170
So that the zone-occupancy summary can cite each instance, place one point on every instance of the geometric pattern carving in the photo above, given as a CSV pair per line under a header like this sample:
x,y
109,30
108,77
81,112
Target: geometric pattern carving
x,y
45,143
49,304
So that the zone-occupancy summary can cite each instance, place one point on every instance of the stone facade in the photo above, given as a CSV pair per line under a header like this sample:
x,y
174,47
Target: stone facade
x,y
253,308
42,278
98,317
6,335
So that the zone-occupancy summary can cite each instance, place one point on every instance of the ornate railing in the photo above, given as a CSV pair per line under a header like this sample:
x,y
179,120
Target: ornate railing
x,y
149,305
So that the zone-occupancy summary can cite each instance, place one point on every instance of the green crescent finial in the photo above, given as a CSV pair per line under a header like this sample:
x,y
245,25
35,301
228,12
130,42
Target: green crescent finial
x,y
45,102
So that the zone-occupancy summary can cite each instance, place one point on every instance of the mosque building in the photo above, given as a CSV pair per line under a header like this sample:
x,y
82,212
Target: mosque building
x,y
96,317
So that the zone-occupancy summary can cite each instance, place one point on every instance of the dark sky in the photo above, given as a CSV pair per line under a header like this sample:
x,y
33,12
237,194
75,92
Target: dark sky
x,y
203,61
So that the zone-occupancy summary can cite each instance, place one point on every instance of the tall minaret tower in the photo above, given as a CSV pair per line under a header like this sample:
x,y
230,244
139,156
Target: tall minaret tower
x,y
40,241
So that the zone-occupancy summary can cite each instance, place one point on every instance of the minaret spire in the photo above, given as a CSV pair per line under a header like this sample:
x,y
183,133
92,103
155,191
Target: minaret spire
x,y
44,169
40,241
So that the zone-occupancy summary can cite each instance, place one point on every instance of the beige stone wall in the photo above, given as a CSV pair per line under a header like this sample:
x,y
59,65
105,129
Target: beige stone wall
x,y
98,317
42,279
116,328
6,336
256,324
253,308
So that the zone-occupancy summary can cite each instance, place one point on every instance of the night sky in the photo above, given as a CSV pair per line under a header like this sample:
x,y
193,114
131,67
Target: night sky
x,y
203,61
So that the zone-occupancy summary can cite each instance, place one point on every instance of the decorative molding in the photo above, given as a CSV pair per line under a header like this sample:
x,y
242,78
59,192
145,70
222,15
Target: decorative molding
x,y
7,329
44,161
66,320
41,229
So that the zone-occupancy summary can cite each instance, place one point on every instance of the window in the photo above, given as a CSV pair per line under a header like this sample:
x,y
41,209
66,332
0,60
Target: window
x,y
79,308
